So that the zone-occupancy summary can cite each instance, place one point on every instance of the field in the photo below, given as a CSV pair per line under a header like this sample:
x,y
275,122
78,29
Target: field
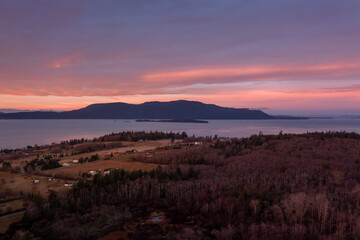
x,y
6,221
24,183
4,174
11,206
127,146
119,160
75,171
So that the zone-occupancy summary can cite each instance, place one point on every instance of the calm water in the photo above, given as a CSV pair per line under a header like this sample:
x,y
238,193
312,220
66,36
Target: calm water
x,y
20,133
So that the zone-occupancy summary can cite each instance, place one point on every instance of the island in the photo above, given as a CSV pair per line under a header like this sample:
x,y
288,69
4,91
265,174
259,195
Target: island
x,y
174,120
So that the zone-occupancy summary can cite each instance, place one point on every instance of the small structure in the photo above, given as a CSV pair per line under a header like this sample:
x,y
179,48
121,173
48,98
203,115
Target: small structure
x,y
68,184
107,172
92,173
36,181
132,151
66,165
75,161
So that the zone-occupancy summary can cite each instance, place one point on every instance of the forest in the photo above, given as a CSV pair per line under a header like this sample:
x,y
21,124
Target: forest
x,y
284,186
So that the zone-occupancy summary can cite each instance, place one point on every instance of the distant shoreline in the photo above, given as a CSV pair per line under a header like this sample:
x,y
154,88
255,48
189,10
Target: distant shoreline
x,y
174,120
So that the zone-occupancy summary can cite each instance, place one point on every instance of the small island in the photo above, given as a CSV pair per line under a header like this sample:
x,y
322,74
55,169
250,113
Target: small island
x,y
174,120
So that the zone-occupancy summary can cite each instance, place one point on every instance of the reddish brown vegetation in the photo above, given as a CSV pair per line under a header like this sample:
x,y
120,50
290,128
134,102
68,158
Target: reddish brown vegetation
x,y
264,187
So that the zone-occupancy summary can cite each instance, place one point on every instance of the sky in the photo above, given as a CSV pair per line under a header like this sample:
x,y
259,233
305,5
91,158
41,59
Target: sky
x,y
281,56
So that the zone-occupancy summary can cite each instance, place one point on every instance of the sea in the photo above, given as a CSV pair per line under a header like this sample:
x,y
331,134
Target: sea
x,y
22,133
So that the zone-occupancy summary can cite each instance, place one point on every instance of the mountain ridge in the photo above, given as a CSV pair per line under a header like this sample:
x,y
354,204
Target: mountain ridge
x,y
180,109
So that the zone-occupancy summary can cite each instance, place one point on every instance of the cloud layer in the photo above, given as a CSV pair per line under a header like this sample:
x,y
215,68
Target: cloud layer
x,y
275,54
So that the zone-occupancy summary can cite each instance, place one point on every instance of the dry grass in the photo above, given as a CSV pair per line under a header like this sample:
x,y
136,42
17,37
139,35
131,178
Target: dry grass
x,y
4,174
11,206
23,183
120,159
140,146
78,169
5,222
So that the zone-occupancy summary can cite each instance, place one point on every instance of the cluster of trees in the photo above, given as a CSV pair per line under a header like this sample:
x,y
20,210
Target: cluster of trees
x,y
72,142
7,166
128,136
332,135
93,147
189,156
47,162
6,151
92,158
110,188
241,189
145,136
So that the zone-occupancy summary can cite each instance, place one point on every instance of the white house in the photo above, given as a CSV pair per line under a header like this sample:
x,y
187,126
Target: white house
x,y
66,165
36,181
75,161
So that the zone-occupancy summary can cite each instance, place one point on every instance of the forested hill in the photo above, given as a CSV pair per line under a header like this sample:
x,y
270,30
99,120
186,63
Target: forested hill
x,y
149,110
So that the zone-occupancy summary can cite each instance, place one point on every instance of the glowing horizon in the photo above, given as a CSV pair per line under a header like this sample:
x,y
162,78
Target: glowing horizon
x,y
296,58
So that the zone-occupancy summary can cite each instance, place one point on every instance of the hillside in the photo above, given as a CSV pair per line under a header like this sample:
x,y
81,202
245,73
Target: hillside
x,y
285,186
149,110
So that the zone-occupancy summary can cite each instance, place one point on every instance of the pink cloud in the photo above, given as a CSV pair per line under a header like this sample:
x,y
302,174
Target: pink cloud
x,y
65,81
66,61
250,73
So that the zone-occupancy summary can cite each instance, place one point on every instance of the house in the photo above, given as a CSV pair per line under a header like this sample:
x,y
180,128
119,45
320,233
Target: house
x,y
36,181
92,173
75,161
66,165
132,151
107,172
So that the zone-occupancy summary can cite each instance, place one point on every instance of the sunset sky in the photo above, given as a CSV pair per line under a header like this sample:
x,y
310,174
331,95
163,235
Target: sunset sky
x,y
282,56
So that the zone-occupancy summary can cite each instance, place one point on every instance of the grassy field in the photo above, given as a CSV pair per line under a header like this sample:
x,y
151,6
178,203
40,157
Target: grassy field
x,y
11,206
17,183
4,174
5,222
139,146
119,159
78,169
13,184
